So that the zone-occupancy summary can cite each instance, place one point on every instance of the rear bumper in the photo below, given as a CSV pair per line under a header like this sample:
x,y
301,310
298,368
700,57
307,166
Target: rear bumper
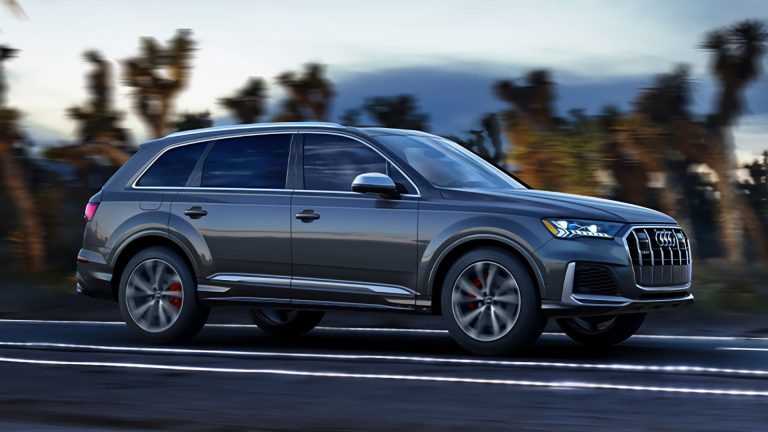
x,y
94,276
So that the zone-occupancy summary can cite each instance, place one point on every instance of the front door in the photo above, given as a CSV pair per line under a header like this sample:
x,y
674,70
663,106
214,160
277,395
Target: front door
x,y
350,248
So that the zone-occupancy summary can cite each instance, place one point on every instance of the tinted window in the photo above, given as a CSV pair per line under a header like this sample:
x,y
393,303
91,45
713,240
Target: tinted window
x,y
332,162
173,168
257,162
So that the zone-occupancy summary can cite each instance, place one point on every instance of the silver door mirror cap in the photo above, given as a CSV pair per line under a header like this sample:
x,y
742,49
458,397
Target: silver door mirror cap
x,y
375,183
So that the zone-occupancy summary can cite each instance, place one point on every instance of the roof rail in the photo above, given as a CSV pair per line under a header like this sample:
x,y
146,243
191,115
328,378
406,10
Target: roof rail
x,y
256,126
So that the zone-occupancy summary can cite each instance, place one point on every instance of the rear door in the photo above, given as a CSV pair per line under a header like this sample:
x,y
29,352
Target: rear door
x,y
358,249
235,211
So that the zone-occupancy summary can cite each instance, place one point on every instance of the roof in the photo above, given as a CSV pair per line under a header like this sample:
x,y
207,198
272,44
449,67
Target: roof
x,y
236,127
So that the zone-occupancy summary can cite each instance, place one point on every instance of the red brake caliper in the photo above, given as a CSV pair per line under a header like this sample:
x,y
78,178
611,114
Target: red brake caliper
x,y
478,285
175,301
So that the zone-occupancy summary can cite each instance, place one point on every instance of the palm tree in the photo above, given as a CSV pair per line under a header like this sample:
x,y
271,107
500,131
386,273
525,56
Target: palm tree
x,y
399,112
193,120
247,104
98,121
531,128
309,94
158,74
737,55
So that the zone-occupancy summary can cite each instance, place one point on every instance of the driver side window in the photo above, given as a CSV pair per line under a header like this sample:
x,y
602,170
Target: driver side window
x,y
332,162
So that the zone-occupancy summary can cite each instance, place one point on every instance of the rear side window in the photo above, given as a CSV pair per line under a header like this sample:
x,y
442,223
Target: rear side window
x,y
253,162
173,168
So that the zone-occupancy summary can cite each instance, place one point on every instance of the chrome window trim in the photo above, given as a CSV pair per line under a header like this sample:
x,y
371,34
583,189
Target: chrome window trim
x,y
672,288
386,158
149,164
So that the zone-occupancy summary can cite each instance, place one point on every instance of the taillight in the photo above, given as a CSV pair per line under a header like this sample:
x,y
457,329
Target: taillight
x,y
92,206
90,210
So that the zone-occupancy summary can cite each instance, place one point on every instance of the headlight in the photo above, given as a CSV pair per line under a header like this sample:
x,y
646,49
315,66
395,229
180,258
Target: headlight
x,y
573,228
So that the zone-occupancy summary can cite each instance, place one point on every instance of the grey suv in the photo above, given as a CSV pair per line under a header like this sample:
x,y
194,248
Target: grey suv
x,y
294,219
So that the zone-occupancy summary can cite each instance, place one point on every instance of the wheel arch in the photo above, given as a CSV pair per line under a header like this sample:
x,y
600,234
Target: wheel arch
x,y
137,243
461,246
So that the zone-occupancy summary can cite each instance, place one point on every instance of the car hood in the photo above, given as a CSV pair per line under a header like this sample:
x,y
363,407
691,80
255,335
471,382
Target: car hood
x,y
556,204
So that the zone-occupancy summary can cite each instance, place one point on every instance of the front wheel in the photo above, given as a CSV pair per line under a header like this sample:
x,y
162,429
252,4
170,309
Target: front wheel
x,y
491,304
602,331
286,323
158,297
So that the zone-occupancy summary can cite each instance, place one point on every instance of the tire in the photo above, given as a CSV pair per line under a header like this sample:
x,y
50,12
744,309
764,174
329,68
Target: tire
x,y
602,331
175,313
506,327
285,322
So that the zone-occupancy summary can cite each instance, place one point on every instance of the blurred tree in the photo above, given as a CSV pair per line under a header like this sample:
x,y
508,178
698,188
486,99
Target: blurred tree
x,y
661,137
157,75
13,177
478,145
309,95
98,121
737,55
247,104
351,117
16,8
549,152
399,112
193,120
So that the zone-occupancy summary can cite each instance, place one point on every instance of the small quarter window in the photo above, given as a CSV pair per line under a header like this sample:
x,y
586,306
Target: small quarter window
x,y
173,168
252,162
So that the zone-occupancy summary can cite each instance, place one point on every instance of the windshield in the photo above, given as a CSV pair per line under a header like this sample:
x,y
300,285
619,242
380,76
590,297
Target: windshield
x,y
446,164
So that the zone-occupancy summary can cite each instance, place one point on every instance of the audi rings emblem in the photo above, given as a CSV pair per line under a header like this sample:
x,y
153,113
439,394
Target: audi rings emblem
x,y
665,238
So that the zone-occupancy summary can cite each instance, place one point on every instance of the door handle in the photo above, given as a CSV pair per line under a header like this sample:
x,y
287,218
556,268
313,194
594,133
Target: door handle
x,y
195,212
307,216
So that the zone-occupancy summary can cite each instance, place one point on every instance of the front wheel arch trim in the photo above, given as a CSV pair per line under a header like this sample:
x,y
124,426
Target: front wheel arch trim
x,y
529,260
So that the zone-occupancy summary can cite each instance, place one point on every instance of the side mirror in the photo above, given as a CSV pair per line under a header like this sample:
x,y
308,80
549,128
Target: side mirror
x,y
375,183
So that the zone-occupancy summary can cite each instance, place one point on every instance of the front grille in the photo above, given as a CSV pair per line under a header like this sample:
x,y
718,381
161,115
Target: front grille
x,y
594,279
661,257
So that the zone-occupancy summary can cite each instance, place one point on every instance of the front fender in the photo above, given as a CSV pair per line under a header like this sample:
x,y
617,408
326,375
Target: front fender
x,y
524,235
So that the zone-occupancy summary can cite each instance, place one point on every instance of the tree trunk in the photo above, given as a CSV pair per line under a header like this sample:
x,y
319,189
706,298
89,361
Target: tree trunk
x,y
670,203
754,229
26,210
730,216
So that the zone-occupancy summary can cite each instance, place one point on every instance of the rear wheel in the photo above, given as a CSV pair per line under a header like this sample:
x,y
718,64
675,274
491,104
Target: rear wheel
x,y
490,303
286,322
158,297
602,331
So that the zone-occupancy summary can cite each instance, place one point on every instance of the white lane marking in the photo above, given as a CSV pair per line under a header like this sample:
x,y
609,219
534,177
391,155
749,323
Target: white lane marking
x,y
425,378
36,321
612,367
399,330
743,349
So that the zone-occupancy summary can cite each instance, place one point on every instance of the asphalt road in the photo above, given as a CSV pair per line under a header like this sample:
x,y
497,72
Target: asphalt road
x,y
82,376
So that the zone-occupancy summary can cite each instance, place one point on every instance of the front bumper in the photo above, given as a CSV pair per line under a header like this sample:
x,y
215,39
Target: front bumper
x,y
559,299
573,304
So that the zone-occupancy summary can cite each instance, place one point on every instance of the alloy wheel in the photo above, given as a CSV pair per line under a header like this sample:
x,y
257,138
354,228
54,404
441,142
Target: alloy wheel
x,y
154,295
486,301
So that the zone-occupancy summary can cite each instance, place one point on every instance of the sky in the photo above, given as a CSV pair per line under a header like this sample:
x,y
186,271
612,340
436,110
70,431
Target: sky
x,y
448,53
